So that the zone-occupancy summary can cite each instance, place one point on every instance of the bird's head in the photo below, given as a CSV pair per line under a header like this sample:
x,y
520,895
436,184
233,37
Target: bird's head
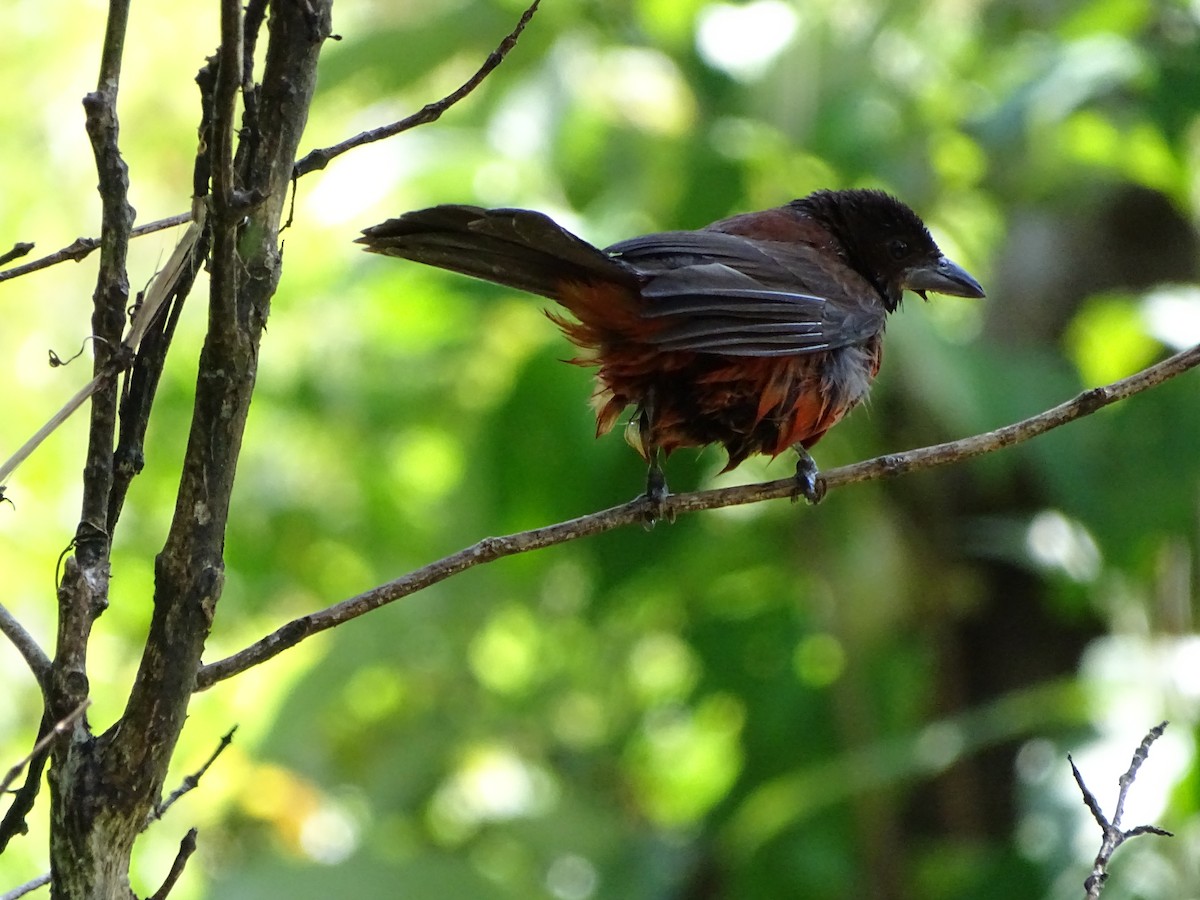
x,y
888,244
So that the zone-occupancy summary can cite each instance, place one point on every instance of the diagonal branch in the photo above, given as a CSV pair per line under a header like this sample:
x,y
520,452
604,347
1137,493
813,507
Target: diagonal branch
x,y
187,847
82,247
35,657
13,821
633,512
431,112
166,282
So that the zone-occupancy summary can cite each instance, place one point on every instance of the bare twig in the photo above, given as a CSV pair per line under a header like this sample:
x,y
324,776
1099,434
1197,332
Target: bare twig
x,y
26,888
60,728
83,247
634,512
186,848
160,289
191,781
431,112
35,657
1113,835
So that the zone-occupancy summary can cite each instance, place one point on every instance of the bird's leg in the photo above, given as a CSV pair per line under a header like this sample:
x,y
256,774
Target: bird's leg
x,y
656,491
809,483
656,481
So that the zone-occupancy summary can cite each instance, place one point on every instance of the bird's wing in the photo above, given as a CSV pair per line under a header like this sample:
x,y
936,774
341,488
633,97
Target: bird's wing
x,y
722,293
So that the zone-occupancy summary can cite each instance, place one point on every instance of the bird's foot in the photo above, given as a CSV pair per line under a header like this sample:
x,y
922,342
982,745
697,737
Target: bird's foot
x,y
809,483
656,499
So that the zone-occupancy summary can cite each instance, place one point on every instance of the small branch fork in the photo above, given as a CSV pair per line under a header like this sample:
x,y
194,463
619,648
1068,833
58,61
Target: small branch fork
x,y
634,511
1113,835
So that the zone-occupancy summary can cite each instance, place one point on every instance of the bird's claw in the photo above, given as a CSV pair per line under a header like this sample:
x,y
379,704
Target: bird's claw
x,y
809,483
656,500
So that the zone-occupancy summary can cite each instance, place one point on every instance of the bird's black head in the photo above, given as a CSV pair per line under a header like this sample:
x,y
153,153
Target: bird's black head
x,y
888,244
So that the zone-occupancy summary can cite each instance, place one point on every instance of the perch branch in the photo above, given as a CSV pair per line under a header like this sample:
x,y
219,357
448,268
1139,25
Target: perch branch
x,y
431,112
633,512
1114,837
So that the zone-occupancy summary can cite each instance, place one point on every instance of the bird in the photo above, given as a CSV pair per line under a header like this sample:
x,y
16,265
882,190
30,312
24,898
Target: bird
x,y
758,332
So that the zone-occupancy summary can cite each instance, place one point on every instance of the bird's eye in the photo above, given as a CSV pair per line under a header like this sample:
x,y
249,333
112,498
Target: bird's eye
x,y
897,248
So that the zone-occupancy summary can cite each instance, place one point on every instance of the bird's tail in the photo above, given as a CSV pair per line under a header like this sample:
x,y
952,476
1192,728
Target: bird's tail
x,y
514,247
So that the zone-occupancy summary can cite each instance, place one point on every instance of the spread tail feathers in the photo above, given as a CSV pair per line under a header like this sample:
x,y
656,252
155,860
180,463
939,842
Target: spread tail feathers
x,y
514,247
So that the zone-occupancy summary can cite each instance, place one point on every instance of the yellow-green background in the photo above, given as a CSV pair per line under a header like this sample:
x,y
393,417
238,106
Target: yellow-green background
x,y
871,698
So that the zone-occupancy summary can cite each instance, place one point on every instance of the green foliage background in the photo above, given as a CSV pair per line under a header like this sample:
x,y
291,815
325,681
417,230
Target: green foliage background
x,y
870,698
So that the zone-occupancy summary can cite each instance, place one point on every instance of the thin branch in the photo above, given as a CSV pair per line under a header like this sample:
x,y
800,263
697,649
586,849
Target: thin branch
x,y
161,288
186,848
26,888
191,782
35,657
431,112
60,728
13,822
1113,836
83,247
633,512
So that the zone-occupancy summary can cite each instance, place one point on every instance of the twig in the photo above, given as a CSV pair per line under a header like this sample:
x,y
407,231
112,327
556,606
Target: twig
x,y
312,162
634,511
27,887
35,657
186,848
160,289
1113,835
60,728
431,112
83,247
18,250
190,782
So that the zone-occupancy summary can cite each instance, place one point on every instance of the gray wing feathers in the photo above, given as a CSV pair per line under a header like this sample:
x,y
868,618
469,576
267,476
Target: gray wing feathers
x,y
721,293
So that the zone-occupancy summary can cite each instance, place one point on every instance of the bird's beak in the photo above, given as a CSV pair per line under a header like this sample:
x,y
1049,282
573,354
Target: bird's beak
x,y
942,277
